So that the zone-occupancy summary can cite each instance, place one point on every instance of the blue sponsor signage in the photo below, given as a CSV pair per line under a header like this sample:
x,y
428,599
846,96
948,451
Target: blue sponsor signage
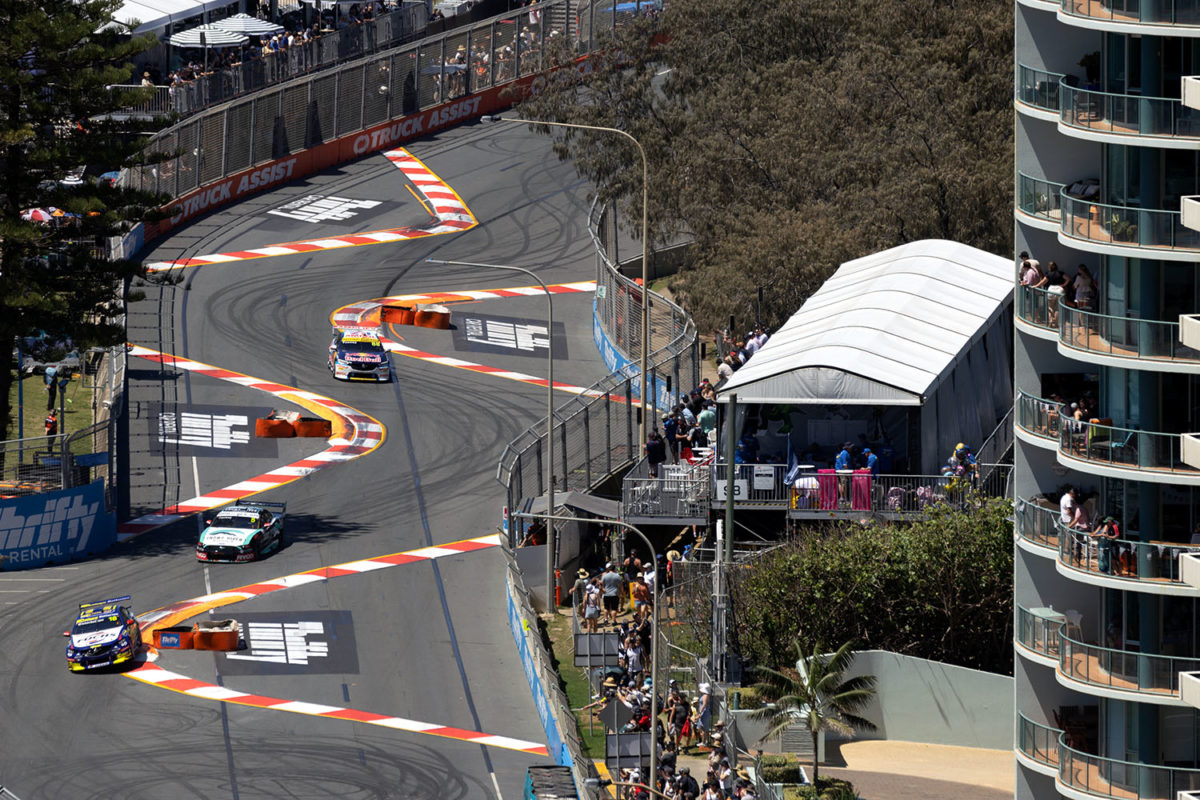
x,y
617,363
554,743
55,527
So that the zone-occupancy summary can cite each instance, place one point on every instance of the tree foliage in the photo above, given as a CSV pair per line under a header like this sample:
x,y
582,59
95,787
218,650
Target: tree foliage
x,y
937,588
816,695
793,137
57,60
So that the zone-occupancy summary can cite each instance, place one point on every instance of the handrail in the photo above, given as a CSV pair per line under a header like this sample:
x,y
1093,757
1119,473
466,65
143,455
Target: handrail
x,y
1038,87
1038,634
1113,778
1037,416
1037,741
1039,197
1126,114
1126,226
1125,670
1034,306
1036,523
1156,562
1163,12
1123,337
1127,448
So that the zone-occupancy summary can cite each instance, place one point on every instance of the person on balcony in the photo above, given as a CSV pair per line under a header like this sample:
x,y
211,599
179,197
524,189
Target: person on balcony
x,y
1085,289
1106,535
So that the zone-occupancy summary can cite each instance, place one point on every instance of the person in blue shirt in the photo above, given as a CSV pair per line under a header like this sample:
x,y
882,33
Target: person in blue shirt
x,y
670,428
872,462
843,459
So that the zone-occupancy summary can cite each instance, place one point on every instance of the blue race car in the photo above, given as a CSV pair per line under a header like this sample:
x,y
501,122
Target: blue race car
x,y
104,633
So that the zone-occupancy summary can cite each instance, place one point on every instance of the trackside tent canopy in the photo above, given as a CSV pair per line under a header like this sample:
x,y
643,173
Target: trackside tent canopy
x,y
155,15
892,329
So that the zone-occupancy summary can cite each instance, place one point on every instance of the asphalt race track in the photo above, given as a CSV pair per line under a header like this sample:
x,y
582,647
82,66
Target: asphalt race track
x,y
425,642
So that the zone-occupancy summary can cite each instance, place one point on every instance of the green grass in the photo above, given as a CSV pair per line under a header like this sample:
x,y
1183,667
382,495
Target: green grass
x,y
558,631
77,412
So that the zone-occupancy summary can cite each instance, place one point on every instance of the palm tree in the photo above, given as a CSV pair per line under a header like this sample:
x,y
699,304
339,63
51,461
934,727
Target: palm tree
x,y
816,694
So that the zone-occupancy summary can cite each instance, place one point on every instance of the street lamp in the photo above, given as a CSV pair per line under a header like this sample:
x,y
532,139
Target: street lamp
x,y
551,567
653,623
645,242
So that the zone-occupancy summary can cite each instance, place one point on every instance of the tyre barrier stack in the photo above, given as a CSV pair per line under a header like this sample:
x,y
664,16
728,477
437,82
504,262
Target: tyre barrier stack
x,y
218,634
287,425
427,315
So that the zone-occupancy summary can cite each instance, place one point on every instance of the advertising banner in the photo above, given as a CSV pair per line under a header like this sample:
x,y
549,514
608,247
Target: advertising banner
x,y
554,743
55,527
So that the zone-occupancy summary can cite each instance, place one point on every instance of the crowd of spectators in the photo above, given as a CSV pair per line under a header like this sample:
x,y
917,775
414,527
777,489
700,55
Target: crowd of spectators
x,y
689,426
1075,291
740,352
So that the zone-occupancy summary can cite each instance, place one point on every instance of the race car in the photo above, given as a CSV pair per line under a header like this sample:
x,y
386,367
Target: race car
x,y
243,532
104,633
358,355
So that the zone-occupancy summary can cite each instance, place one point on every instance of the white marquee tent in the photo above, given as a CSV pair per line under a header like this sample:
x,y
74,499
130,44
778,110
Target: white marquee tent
x,y
924,325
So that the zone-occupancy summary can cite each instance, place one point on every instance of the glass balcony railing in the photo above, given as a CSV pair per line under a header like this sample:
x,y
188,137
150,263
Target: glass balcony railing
x,y
1127,448
1037,523
1123,337
1126,670
1113,778
1039,198
1038,87
1159,12
1037,416
1155,562
1034,306
1127,114
1037,741
1039,630
1126,226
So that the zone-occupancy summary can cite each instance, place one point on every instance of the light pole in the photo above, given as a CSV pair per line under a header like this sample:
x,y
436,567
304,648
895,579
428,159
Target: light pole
x,y
551,567
645,244
653,625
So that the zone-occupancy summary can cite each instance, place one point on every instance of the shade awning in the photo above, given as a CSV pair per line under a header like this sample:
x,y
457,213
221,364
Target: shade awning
x,y
244,23
885,329
208,36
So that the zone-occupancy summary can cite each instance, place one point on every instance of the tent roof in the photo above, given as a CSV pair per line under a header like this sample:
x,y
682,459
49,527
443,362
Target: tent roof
x,y
883,330
154,14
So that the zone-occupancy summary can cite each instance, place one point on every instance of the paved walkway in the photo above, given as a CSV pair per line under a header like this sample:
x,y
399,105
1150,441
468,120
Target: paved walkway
x,y
883,770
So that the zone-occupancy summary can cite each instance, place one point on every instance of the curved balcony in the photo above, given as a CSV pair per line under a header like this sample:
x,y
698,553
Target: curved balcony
x,y
1034,308
1096,776
1037,418
1038,88
1113,228
1038,525
1038,743
1124,340
1038,199
1124,452
1151,677
1038,632
1153,565
1128,115
1134,12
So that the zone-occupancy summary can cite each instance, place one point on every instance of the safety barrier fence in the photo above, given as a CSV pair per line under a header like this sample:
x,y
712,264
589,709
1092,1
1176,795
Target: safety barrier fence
x,y
1152,562
596,431
1123,337
1126,670
1038,87
1038,416
1037,523
1039,634
1097,776
257,72
1039,198
73,458
288,118
1100,442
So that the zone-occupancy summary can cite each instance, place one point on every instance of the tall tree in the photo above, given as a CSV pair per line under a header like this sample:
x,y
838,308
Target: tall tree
x,y
816,695
58,59
793,137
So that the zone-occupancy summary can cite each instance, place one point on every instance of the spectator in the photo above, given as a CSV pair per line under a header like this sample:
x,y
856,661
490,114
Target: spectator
x,y
591,606
1105,535
52,423
872,462
1085,289
50,378
670,428
843,460
611,581
656,452
641,597
579,591
708,419
687,784
146,82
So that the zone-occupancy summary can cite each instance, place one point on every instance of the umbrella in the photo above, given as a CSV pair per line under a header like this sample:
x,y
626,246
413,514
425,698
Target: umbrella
x,y
244,23
208,37
35,215
437,69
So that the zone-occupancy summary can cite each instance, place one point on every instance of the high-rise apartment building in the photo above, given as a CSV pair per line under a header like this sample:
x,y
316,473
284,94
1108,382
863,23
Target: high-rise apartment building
x,y
1107,144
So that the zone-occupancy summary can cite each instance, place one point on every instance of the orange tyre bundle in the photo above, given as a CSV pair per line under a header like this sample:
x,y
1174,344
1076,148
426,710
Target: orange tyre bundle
x,y
313,427
273,429
433,316
399,315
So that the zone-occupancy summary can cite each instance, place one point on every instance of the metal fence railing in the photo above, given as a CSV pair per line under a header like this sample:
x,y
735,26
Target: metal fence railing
x,y
70,459
596,431
257,71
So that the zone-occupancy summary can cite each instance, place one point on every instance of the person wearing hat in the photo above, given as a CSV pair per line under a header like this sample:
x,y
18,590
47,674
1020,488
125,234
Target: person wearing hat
x,y
146,82
872,462
687,784
579,591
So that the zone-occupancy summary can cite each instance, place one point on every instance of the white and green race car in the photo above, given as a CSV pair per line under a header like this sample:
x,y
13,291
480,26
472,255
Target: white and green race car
x,y
243,532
